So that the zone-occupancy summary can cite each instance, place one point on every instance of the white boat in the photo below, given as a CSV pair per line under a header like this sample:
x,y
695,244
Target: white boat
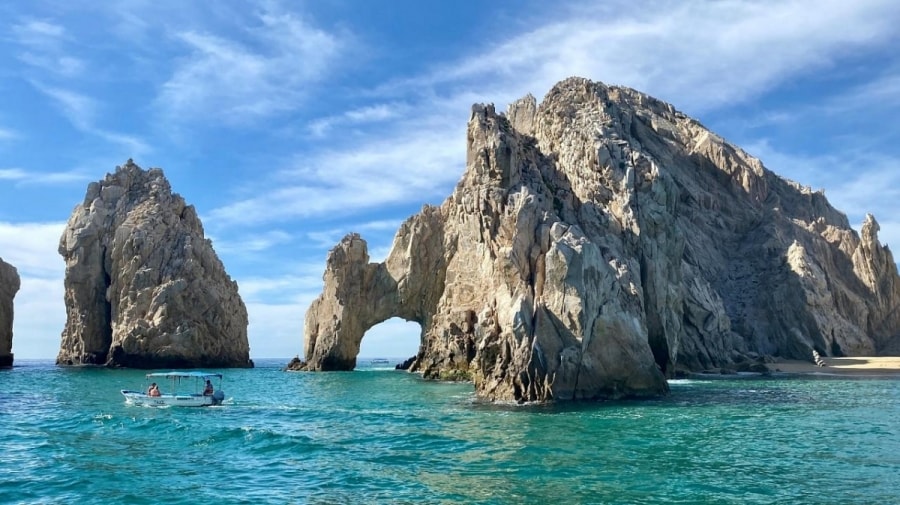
x,y
179,389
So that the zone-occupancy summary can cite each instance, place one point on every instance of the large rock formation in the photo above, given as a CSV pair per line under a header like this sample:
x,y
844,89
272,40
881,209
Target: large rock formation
x,y
143,287
9,286
601,240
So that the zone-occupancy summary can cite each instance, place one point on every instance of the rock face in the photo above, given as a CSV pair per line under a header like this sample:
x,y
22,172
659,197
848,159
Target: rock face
x,y
143,287
601,240
9,286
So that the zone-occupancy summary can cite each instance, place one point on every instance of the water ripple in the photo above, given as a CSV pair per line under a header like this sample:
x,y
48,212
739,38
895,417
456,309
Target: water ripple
x,y
389,437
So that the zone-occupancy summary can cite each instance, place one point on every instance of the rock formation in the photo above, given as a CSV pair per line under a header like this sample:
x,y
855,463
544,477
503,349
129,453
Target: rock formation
x,y
9,286
600,241
143,287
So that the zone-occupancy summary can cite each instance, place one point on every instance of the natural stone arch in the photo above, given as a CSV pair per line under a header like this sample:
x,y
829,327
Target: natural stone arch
x,y
600,240
359,295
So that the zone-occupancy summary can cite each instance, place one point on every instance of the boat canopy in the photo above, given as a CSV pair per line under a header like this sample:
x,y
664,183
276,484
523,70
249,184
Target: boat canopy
x,y
198,375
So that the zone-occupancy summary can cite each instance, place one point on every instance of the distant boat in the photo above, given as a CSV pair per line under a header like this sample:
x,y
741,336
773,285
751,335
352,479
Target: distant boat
x,y
379,361
183,389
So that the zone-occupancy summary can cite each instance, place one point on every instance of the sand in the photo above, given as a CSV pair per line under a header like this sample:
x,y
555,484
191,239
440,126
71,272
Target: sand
x,y
882,365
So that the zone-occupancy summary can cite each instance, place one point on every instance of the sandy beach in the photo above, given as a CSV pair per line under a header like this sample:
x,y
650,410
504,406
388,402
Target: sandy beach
x,y
882,365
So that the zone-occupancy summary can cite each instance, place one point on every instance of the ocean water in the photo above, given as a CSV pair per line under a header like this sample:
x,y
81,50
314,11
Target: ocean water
x,y
380,436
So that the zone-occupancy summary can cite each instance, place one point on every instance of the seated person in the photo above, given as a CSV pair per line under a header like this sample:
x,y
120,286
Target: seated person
x,y
154,390
208,390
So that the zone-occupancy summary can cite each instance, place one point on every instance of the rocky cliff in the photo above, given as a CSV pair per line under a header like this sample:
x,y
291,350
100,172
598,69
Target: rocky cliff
x,y
601,240
143,287
9,286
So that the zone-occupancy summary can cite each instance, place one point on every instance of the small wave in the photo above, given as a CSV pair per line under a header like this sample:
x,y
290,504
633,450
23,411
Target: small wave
x,y
684,381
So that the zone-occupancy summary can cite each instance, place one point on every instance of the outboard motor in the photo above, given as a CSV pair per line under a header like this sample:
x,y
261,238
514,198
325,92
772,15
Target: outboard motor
x,y
218,397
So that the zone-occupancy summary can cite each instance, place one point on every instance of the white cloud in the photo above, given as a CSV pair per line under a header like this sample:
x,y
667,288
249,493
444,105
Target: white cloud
x,y
276,307
413,166
252,243
82,111
32,248
39,310
44,43
7,134
236,81
65,66
37,32
882,92
22,177
375,113
890,236
39,317
697,54
275,330
734,50
855,182
394,338
330,237
12,174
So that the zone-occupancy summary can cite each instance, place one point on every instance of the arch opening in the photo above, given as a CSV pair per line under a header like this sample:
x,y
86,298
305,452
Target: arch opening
x,y
395,340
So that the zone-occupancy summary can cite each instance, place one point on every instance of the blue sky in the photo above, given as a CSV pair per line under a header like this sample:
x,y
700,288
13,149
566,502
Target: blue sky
x,y
290,124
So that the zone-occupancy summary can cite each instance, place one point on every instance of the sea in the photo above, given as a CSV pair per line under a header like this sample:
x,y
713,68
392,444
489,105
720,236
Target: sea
x,y
377,435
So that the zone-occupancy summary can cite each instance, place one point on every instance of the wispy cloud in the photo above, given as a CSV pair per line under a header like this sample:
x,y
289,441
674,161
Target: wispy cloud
x,y
40,316
237,80
83,111
251,243
32,248
12,174
43,48
24,177
733,50
328,238
848,176
79,109
882,92
7,135
364,115
394,338
413,167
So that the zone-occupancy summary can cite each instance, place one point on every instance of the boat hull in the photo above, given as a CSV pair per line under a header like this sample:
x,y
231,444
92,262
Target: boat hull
x,y
195,400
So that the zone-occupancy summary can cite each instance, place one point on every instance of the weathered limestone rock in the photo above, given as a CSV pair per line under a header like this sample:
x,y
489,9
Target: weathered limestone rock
x,y
9,286
601,240
143,287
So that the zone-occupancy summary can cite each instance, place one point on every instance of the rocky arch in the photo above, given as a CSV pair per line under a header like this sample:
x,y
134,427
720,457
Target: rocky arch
x,y
601,239
359,295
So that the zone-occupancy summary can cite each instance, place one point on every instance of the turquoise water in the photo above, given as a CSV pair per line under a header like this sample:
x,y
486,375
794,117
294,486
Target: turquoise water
x,y
380,436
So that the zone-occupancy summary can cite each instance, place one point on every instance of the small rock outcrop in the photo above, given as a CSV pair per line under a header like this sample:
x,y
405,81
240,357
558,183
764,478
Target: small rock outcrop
x,y
143,287
601,241
9,286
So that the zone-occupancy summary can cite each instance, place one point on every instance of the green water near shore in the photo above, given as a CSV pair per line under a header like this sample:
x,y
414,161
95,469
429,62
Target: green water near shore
x,y
381,436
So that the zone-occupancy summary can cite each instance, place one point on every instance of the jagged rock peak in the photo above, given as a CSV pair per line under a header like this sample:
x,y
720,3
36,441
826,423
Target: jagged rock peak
x,y
143,286
600,240
9,286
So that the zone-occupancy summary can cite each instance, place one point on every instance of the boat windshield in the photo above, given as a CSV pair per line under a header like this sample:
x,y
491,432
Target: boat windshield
x,y
185,375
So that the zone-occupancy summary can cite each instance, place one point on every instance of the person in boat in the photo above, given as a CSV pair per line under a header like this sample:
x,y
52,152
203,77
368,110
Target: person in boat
x,y
154,390
208,390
